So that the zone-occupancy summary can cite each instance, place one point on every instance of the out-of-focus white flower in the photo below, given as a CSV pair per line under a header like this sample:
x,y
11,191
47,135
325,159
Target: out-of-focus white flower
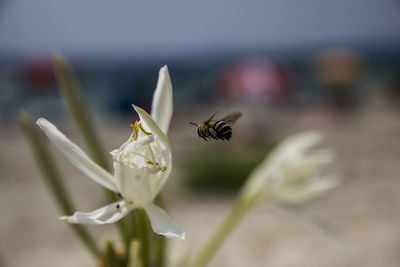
x,y
291,172
142,165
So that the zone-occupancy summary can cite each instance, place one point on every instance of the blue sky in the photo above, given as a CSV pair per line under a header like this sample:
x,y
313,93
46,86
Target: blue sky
x,y
166,27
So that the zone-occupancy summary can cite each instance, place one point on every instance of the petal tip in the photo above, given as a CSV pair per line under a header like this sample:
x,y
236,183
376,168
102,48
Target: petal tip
x,y
41,121
64,219
140,111
183,236
164,69
178,236
136,108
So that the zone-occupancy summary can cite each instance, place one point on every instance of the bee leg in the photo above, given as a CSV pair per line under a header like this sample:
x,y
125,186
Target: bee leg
x,y
204,138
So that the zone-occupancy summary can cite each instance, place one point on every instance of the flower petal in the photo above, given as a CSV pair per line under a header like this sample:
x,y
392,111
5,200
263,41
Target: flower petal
x,y
290,151
76,156
133,183
162,106
107,214
315,188
163,224
152,126
162,140
299,143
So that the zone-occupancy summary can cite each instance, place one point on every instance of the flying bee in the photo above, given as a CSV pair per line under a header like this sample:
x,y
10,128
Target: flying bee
x,y
217,129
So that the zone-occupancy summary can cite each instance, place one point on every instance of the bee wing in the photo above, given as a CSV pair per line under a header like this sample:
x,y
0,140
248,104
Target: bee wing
x,y
213,115
232,118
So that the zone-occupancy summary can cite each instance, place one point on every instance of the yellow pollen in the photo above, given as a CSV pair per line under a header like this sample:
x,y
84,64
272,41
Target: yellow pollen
x,y
157,166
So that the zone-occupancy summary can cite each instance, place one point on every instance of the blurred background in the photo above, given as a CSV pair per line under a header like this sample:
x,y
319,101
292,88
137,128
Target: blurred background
x,y
287,66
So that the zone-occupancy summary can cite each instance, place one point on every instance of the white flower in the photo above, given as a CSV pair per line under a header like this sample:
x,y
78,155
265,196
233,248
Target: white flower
x,y
291,173
142,165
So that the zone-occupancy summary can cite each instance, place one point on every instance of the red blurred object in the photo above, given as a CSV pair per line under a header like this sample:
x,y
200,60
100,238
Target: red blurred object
x,y
39,74
257,78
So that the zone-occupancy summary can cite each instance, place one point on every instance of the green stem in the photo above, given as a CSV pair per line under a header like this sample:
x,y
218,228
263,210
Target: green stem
x,y
134,254
160,242
53,178
129,223
160,250
111,257
142,226
225,228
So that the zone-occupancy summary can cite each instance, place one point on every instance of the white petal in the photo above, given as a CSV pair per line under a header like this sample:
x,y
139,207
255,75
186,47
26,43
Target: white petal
x,y
133,183
300,142
107,214
142,141
161,179
76,156
151,125
291,149
321,184
162,139
163,224
162,106
315,188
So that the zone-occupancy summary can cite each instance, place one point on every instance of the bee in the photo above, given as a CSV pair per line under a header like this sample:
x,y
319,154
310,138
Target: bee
x,y
217,129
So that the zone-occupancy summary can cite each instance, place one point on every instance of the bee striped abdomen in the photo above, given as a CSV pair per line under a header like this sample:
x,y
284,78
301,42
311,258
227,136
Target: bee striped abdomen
x,y
223,130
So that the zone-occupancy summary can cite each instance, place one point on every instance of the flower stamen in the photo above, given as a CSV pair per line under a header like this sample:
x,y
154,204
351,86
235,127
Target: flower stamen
x,y
136,128
154,163
143,130
151,153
